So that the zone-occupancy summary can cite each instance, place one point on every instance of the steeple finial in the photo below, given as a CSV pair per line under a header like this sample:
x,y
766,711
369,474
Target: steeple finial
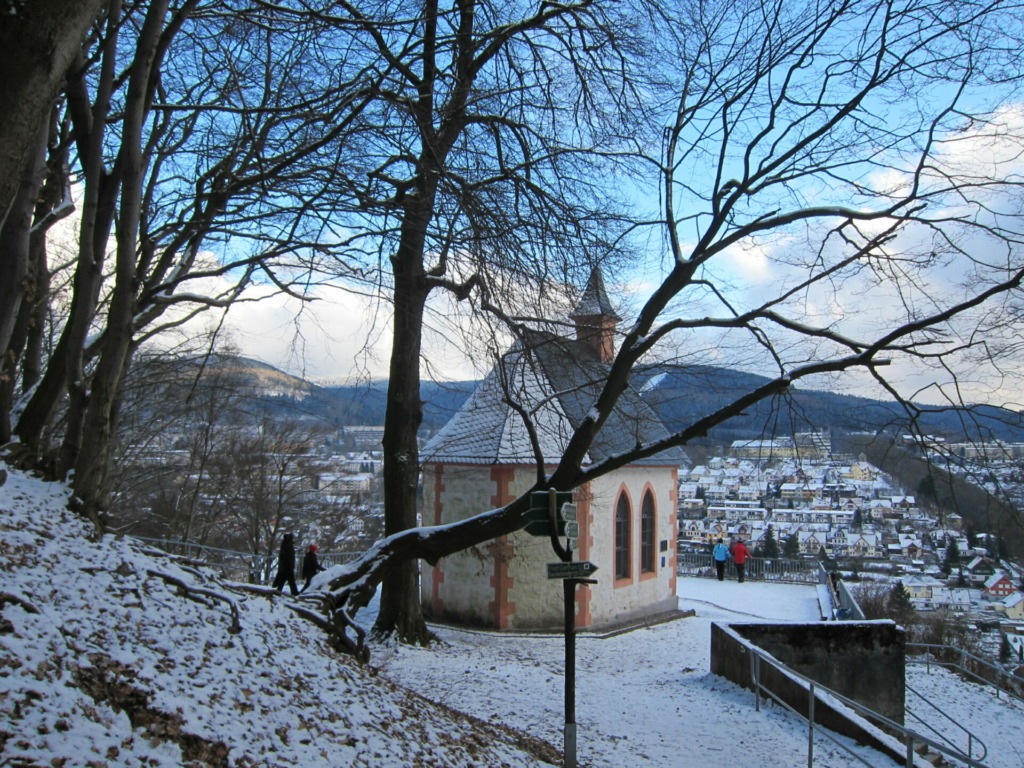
x,y
595,319
594,301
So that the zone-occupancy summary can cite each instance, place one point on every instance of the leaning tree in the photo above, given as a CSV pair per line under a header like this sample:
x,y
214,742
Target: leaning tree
x,y
825,212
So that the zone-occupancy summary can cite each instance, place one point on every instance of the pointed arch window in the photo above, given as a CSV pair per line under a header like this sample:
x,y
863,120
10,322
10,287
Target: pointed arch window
x,y
647,535
622,537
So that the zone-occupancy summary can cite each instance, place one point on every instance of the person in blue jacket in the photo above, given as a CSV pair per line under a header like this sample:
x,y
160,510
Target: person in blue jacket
x,y
721,554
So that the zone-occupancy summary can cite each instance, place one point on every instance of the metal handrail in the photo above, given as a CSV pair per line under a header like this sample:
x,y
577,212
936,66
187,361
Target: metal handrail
x,y
758,568
971,738
909,737
928,659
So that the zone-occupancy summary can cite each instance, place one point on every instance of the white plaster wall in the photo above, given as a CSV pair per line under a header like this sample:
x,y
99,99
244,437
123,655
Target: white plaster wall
x,y
466,590
538,599
653,594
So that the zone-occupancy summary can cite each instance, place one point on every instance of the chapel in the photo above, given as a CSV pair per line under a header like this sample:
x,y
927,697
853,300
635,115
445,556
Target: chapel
x,y
485,457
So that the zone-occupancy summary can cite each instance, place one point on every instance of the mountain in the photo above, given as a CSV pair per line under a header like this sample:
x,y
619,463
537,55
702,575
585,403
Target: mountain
x,y
680,396
273,391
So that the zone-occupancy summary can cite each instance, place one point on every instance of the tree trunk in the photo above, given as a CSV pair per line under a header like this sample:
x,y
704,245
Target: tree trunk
x,y
400,609
99,419
37,45
15,250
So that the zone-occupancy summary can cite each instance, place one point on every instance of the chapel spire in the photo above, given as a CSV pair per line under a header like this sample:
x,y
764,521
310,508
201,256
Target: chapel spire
x,y
595,319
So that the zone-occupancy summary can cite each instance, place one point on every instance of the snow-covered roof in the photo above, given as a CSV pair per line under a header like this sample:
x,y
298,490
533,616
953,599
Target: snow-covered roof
x,y
556,381
994,579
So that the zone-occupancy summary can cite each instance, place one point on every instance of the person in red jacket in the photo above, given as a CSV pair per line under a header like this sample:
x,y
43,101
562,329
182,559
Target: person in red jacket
x,y
740,553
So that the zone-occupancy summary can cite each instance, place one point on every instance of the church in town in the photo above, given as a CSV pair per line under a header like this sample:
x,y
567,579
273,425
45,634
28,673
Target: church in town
x,y
485,457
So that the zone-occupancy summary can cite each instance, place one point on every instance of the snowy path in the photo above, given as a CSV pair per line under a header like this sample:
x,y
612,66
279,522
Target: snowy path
x,y
644,698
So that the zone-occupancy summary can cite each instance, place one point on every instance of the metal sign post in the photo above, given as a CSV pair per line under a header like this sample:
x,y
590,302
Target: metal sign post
x,y
561,521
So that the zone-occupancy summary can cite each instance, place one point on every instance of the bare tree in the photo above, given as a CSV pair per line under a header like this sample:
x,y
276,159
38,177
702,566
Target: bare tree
x,y
825,140
182,124
477,163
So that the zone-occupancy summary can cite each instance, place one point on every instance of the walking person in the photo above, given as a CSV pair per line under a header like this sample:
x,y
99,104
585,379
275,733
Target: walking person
x,y
310,566
740,553
286,565
720,554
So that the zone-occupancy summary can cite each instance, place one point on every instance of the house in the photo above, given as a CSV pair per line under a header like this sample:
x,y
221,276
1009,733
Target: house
x,y
909,545
485,457
810,542
979,569
838,542
863,545
921,587
1013,606
998,586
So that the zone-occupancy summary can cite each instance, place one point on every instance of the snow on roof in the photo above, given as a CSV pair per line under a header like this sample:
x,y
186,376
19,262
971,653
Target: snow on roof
x,y
994,579
557,381
594,302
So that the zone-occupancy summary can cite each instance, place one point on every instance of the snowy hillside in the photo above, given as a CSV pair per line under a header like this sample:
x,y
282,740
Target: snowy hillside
x,y
112,656
106,661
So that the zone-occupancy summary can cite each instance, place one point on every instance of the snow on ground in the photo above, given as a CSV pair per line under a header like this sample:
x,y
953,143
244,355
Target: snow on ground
x,y
104,661
998,721
647,697
644,698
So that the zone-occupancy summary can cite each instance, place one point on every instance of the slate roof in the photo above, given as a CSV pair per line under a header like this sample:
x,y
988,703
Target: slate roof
x,y
556,381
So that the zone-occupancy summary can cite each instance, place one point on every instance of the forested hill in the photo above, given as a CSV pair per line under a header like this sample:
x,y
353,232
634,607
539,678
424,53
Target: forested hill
x,y
682,396
679,396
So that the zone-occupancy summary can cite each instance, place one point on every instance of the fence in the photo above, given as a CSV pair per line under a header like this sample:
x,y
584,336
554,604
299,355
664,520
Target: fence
x,y
758,568
967,664
238,566
913,743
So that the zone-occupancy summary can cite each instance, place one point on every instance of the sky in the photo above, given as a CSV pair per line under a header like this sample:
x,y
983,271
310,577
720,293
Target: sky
x,y
82,620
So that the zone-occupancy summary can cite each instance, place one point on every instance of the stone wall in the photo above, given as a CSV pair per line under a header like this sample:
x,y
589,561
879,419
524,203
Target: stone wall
x,y
864,661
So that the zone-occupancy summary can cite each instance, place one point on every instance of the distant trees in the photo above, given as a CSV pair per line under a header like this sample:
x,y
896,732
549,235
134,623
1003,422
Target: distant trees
x,y
1005,650
769,546
952,557
205,459
898,604
791,547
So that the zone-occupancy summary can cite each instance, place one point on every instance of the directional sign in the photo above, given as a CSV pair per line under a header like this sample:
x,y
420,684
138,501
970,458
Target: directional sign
x,y
538,516
568,513
572,530
580,570
539,523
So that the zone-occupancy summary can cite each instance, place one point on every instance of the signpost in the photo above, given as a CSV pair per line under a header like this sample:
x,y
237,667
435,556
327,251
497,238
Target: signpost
x,y
553,514
571,570
541,522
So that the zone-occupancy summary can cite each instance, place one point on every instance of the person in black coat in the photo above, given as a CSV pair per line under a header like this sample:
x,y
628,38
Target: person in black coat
x,y
310,566
286,564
